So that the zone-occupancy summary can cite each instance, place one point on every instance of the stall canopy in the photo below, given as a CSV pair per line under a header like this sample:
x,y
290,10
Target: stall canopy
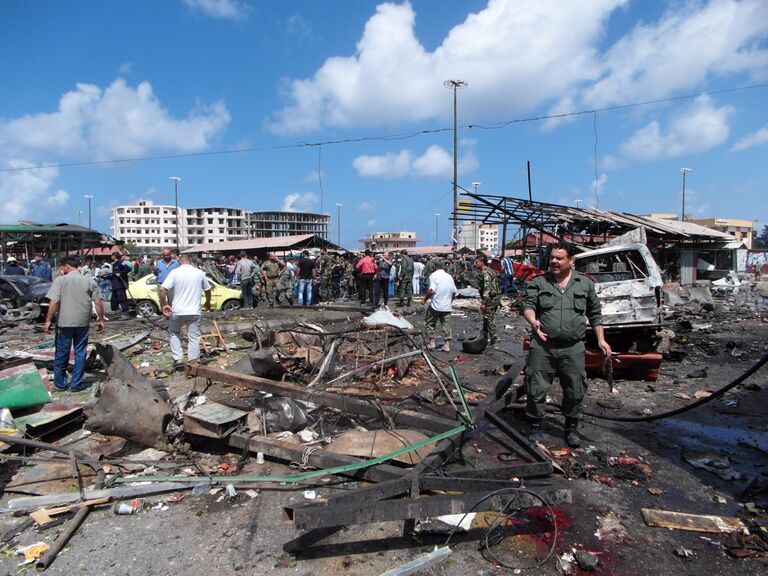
x,y
261,246
25,240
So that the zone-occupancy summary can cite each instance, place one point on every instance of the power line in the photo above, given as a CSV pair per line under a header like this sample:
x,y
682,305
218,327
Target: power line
x,y
385,137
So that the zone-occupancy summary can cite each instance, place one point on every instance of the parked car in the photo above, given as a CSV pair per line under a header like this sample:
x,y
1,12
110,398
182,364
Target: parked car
x,y
144,293
23,298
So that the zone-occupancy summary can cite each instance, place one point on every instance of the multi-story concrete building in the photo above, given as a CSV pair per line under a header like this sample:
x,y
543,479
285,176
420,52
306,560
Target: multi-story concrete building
x,y
269,224
148,225
385,241
741,229
478,236
218,224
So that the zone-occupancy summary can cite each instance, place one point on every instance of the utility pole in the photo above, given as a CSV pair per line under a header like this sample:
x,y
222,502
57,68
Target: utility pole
x,y
455,85
89,197
437,224
338,223
176,180
684,171
79,213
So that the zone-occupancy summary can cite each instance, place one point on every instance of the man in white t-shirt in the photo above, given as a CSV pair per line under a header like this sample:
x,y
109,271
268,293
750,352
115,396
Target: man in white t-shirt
x,y
440,295
418,272
187,284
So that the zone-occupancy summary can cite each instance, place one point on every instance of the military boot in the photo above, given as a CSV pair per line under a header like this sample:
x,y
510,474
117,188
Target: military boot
x,y
535,433
571,435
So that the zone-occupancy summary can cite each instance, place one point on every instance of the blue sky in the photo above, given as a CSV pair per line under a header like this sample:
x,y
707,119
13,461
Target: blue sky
x,y
88,81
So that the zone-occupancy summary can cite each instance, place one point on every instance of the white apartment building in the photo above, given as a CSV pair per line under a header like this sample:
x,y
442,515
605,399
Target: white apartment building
x,y
477,236
385,241
149,225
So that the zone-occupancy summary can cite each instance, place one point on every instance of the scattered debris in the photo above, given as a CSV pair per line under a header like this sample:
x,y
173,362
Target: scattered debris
x,y
692,522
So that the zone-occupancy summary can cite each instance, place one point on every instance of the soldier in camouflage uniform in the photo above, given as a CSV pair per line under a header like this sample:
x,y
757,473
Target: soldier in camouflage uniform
x,y
405,272
462,270
490,294
347,279
258,281
325,263
270,270
284,285
448,267
429,267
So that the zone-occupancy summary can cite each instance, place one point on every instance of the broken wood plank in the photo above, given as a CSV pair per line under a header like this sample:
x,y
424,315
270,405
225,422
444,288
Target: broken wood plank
x,y
43,517
425,421
691,522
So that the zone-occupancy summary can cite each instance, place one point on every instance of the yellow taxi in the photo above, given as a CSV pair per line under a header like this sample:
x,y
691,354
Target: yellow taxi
x,y
144,292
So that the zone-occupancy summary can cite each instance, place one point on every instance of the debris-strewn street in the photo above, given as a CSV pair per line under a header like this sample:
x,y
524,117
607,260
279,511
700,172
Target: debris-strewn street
x,y
258,458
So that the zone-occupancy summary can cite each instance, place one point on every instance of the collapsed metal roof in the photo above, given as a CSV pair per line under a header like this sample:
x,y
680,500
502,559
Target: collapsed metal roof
x,y
563,221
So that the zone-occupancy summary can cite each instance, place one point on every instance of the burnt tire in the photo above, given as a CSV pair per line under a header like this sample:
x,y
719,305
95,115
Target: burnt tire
x,y
476,345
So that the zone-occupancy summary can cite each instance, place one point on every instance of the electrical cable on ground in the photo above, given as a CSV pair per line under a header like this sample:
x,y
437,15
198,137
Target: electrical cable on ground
x,y
491,532
716,394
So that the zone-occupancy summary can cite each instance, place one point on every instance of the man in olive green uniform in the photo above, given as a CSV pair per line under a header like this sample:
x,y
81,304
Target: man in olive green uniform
x,y
284,285
490,296
270,270
557,305
461,272
325,271
448,267
429,267
405,272
258,281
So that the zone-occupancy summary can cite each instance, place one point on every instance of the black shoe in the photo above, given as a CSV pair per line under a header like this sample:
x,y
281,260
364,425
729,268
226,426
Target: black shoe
x,y
572,437
535,435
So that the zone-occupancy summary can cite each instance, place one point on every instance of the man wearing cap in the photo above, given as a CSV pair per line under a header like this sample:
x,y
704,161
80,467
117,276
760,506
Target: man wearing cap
x,y
12,267
557,306
72,295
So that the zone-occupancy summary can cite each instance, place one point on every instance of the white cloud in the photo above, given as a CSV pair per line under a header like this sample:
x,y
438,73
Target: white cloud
x,y
435,163
119,121
366,207
225,9
306,202
556,51
757,138
393,78
314,175
690,43
370,223
59,198
598,186
125,68
27,193
701,127
296,25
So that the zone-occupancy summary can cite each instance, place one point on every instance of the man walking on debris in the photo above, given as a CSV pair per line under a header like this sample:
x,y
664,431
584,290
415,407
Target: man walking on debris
x,y
164,266
270,270
187,284
440,295
244,274
490,296
556,305
72,295
406,279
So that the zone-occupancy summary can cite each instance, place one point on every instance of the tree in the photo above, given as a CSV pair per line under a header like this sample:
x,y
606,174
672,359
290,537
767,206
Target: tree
x,y
761,241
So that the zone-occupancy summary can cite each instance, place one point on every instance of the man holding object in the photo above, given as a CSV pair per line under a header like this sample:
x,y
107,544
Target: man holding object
x,y
557,305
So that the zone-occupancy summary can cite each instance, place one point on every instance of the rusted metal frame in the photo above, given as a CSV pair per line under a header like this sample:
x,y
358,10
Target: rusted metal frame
x,y
345,404
530,450
413,508
474,483
383,362
318,459
516,470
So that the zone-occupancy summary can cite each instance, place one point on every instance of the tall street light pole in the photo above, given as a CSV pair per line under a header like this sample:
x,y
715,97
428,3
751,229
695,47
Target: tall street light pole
x,y
89,197
455,85
437,224
338,223
176,180
684,171
79,213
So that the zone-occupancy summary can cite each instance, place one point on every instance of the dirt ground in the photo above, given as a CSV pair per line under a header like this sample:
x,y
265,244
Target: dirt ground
x,y
216,535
